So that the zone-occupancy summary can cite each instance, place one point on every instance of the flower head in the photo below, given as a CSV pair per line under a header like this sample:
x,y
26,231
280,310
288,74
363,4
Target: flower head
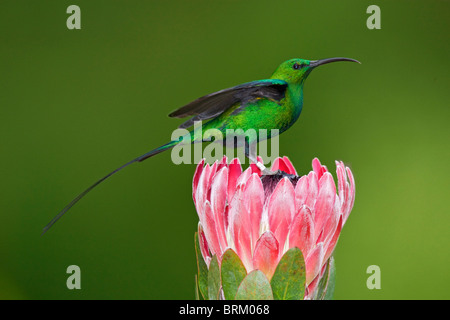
x,y
261,217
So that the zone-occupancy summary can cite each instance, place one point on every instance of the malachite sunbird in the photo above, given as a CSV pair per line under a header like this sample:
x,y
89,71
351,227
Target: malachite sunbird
x,y
274,103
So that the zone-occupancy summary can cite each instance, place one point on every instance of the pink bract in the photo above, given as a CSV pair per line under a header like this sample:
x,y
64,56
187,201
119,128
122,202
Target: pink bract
x,y
261,217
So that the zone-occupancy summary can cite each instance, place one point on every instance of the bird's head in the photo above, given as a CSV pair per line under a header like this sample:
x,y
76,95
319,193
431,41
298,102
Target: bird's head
x,y
297,70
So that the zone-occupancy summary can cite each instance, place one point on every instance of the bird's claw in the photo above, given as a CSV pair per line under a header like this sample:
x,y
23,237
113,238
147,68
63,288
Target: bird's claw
x,y
267,172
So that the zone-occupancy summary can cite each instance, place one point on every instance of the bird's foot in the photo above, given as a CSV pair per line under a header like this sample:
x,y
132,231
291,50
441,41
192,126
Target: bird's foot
x,y
264,170
261,166
267,172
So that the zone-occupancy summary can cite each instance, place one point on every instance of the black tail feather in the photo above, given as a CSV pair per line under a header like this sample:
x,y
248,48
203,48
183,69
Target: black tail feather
x,y
81,195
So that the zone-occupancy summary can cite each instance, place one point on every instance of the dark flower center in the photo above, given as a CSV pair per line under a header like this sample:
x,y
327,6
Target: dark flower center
x,y
270,181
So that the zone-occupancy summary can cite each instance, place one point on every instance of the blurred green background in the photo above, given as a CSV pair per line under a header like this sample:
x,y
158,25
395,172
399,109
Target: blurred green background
x,y
75,104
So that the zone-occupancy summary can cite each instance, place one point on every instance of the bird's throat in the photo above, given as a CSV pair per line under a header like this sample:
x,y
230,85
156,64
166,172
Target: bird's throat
x,y
294,101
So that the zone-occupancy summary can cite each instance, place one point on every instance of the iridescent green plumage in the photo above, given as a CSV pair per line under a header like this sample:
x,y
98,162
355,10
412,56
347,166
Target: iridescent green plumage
x,y
274,103
277,105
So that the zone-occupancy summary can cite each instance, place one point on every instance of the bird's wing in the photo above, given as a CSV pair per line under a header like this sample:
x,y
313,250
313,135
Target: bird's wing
x,y
214,104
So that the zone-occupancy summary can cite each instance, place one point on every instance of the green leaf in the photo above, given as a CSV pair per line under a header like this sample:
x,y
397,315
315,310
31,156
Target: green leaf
x,y
214,279
255,286
202,268
325,288
197,294
288,281
331,280
233,272
322,286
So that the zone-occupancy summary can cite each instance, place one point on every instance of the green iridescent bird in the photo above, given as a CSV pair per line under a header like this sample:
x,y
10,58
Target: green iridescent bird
x,y
274,103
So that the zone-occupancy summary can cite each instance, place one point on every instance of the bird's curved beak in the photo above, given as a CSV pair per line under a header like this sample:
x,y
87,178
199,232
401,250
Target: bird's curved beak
x,y
316,63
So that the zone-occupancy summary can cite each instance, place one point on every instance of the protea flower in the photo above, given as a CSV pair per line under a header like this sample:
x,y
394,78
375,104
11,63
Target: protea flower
x,y
268,230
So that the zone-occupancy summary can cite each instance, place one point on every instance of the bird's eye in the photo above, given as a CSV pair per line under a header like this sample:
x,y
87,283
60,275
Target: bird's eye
x,y
296,66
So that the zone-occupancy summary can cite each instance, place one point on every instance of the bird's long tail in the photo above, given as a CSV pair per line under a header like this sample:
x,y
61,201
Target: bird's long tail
x,y
141,158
